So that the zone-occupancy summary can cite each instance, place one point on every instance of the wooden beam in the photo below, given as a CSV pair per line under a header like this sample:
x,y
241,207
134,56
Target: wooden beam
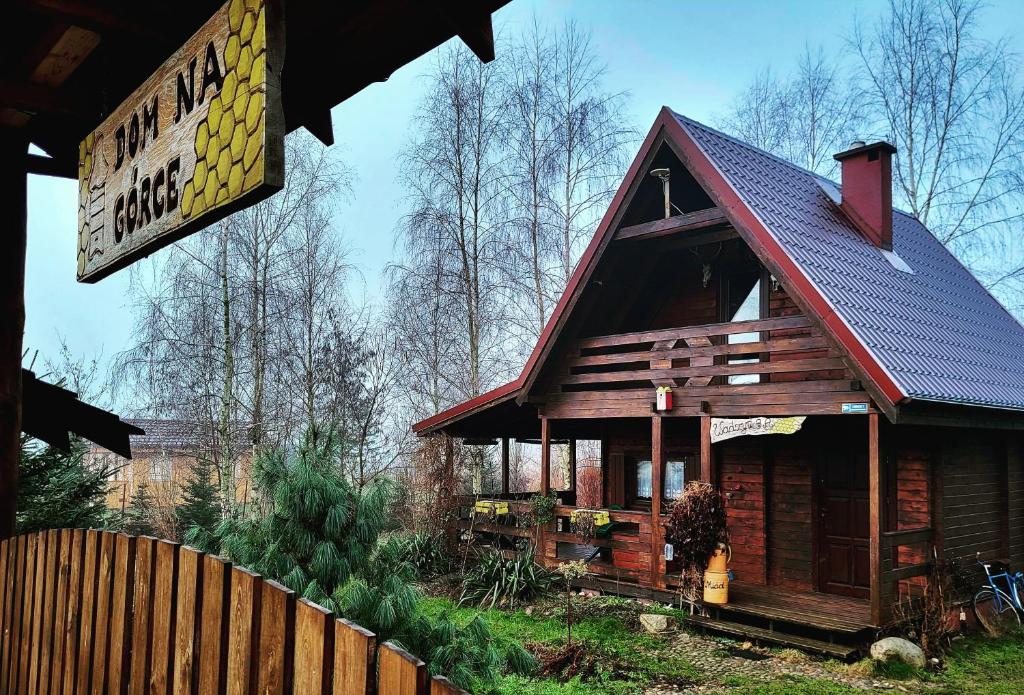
x,y
876,500
504,465
657,466
707,471
95,16
318,123
688,222
473,27
545,455
36,98
572,465
48,166
12,320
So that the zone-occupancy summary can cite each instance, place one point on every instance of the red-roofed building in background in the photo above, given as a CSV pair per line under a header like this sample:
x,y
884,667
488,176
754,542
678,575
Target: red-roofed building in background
x,y
771,301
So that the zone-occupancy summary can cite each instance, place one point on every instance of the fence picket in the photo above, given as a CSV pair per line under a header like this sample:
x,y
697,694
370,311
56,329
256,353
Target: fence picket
x,y
189,612
142,612
36,632
25,619
213,628
355,659
71,621
400,673
165,585
121,601
244,630
314,649
60,613
87,612
276,645
49,607
101,623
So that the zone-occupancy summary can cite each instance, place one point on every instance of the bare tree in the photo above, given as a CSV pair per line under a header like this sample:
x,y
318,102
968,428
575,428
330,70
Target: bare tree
x,y
953,104
233,323
805,117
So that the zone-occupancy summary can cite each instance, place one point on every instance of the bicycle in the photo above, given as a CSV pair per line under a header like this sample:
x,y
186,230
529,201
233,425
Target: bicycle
x,y
999,609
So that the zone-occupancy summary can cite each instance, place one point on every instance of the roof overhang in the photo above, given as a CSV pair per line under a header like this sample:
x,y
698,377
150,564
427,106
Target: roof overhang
x,y
50,413
69,64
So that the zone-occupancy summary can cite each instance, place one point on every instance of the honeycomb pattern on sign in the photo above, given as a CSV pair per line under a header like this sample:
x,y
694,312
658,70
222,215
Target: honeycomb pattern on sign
x,y
85,149
229,141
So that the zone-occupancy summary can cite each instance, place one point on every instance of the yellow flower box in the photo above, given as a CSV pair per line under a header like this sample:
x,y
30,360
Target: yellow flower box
x,y
489,506
600,516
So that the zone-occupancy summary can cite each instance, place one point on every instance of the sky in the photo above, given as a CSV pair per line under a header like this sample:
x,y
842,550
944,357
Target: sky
x,y
692,56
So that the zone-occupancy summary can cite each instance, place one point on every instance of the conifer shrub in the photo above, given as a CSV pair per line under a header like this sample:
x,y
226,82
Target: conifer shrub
x,y
321,536
56,489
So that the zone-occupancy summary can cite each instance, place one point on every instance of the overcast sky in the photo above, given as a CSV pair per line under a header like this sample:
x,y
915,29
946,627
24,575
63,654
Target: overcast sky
x,y
692,56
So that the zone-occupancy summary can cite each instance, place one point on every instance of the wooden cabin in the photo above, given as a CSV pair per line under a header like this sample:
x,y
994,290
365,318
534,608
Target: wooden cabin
x,y
752,288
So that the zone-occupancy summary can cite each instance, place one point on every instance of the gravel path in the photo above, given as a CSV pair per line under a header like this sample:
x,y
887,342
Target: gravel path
x,y
724,663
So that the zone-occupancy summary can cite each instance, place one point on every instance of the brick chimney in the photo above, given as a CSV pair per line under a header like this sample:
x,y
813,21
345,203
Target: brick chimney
x,y
867,190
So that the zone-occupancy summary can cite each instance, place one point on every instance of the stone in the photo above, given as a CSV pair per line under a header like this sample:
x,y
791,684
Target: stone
x,y
653,622
529,610
590,593
898,649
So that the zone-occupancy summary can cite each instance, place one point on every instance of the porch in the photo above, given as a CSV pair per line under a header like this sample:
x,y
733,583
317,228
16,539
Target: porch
x,y
794,571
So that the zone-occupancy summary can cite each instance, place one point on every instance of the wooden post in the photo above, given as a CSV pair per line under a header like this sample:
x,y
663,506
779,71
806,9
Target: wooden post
x,y
545,482
545,455
707,470
13,149
657,466
504,466
876,501
572,465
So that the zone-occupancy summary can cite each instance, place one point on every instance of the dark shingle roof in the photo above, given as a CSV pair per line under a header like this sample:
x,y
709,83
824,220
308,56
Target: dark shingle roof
x,y
937,331
166,435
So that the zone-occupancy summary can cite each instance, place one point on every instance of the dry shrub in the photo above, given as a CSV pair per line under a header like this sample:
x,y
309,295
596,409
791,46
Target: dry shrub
x,y
696,525
925,617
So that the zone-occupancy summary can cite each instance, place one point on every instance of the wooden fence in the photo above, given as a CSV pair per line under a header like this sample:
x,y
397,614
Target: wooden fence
x,y
93,612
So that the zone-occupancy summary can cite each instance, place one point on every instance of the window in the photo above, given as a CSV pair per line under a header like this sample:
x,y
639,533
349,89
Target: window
x,y
643,479
675,479
748,310
161,468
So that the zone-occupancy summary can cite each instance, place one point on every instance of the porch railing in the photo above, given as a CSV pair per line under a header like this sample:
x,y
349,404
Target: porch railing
x,y
99,612
767,365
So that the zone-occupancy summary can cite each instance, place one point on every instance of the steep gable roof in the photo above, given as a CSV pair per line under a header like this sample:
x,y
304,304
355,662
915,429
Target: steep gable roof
x,y
913,325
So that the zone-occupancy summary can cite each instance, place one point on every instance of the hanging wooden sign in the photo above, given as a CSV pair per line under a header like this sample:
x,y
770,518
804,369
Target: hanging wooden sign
x,y
727,428
201,138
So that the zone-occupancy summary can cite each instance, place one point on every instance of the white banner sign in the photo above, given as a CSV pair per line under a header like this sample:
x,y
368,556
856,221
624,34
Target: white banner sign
x,y
727,428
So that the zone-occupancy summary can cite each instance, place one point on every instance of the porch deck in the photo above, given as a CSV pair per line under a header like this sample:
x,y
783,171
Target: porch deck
x,y
810,608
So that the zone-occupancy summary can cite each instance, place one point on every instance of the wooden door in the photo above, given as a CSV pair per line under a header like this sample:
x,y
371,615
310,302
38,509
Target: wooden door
x,y
844,561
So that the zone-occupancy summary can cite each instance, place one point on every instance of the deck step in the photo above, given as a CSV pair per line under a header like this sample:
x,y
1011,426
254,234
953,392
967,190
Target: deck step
x,y
758,634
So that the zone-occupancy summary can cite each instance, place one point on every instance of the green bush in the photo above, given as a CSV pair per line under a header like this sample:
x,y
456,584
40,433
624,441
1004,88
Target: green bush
x,y
495,580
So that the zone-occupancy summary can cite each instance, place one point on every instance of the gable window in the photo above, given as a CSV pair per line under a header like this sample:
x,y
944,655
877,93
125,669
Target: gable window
x,y
748,309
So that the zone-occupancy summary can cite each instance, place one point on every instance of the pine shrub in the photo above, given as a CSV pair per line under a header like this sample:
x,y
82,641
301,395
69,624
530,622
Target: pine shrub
x,y
56,489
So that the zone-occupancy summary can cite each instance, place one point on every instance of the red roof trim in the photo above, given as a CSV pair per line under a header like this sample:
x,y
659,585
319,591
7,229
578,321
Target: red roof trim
x,y
466,407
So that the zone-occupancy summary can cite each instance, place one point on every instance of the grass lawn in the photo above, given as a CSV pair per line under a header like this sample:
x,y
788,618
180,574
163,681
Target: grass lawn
x,y
628,660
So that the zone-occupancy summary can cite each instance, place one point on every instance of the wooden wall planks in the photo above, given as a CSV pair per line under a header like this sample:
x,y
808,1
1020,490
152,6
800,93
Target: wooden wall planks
x,y
87,612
